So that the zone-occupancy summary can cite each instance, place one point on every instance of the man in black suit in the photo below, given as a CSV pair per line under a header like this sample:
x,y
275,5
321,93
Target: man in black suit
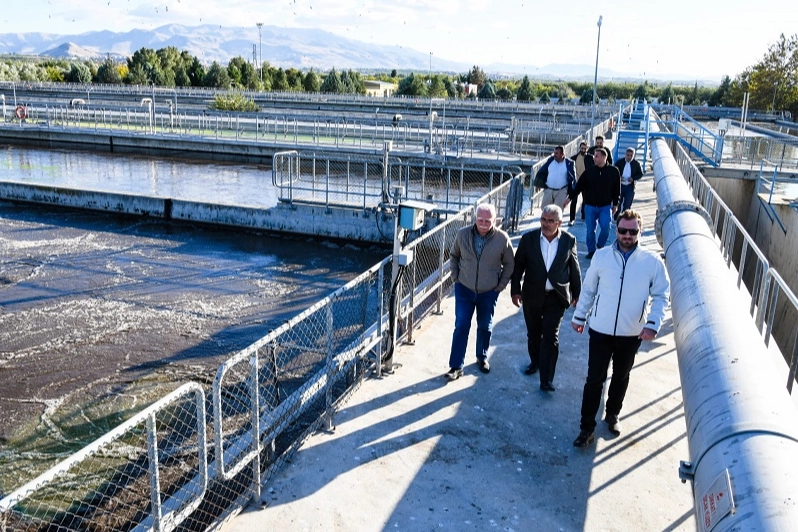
x,y
546,259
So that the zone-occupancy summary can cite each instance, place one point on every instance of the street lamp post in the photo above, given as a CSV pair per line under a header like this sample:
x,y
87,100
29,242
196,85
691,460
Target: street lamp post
x,y
260,50
595,82
429,89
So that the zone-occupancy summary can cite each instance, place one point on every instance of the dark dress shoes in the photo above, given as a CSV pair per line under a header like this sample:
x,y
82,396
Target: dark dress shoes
x,y
584,439
531,369
546,387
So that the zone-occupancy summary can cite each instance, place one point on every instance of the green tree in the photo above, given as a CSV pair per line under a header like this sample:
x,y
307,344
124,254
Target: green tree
x,y
525,91
279,80
487,92
773,81
587,96
196,73
144,67
233,101
295,79
641,92
217,77
477,76
412,85
722,95
79,73
108,72
504,94
332,83
437,89
312,82
545,98
667,95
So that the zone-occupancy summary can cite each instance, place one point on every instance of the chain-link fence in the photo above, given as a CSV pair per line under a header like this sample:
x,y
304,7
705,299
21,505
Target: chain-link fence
x,y
154,472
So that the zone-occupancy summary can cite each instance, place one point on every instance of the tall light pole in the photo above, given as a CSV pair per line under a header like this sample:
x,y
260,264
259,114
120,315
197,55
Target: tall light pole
x,y
429,89
260,50
595,82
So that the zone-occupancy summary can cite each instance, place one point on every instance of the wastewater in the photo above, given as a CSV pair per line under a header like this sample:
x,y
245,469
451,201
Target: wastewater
x,y
103,314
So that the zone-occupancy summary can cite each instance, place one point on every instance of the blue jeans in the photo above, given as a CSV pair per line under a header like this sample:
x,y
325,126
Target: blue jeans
x,y
465,302
627,197
602,215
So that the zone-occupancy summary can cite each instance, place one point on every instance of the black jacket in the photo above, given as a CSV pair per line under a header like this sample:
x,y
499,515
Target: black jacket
x,y
564,273
599,186
591,150
637,170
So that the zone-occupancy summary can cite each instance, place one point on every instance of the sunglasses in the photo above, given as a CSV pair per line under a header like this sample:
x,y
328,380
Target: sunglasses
x,y
624,231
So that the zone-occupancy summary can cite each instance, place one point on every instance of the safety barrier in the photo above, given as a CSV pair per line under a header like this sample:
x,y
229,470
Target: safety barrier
x,y
154,472
761,284
360,181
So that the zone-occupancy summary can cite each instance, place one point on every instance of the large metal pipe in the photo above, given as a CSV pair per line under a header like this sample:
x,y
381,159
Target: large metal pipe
x,y
742,427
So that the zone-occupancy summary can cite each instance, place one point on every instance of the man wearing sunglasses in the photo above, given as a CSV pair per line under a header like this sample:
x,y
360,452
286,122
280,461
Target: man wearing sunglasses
x,y
623,301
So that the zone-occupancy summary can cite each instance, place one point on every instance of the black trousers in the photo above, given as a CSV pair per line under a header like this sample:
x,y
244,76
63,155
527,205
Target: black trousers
x,y
603,348
543,334
572,206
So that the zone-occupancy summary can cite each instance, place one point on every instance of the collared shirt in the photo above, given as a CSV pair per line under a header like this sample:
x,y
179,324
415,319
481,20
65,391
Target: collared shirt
x,y
558,175
479,243
580,164
549,251
626,176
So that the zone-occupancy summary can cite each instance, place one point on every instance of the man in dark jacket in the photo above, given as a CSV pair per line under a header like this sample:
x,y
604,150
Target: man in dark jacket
x,y
582,161
546,260
631,171
600,144
481,263
600,187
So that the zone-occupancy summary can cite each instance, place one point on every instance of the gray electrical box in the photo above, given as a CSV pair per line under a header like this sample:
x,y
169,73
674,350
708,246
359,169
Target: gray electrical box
x,y
411,214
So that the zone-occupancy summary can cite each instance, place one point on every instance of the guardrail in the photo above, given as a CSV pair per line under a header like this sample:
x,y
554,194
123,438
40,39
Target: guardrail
x,y
752,150
360,181
154,472
755,277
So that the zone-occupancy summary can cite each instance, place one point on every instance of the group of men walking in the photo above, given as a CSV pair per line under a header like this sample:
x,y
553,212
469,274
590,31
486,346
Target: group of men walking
x,y
621,301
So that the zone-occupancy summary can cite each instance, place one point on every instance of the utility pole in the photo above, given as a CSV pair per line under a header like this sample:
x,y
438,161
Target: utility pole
x,y
260,50
595,83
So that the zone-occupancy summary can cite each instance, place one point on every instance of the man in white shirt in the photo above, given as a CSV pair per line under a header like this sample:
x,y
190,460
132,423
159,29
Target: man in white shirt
x,y
631,171
557,176
546,259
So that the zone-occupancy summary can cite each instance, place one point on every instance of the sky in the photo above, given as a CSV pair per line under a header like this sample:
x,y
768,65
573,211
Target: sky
x,y
683,39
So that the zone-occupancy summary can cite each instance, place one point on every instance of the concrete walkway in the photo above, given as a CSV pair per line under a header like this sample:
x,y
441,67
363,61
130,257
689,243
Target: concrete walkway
x,y
413,452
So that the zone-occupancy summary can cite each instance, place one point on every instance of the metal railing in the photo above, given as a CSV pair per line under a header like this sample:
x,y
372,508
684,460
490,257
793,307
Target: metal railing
x,y
752,150
154,472
755,277
361,181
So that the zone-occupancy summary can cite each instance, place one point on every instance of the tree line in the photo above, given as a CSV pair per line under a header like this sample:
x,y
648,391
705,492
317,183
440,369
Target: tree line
x,y
772,83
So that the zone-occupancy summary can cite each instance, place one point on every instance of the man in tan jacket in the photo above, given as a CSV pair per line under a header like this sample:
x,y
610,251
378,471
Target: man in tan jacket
x,y
481,263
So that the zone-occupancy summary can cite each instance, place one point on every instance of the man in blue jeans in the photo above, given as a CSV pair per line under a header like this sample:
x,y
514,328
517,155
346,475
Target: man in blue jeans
x,y
600,186
481,263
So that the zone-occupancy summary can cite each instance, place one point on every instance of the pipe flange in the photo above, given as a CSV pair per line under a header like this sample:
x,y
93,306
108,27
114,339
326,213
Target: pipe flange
x,y
678,206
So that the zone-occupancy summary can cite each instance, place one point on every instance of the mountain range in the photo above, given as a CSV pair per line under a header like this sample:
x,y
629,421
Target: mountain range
x,y
282,47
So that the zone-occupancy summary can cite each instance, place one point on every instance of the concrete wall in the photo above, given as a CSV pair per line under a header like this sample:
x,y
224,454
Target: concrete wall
x,y
778,246
735,187
223,150
339,223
